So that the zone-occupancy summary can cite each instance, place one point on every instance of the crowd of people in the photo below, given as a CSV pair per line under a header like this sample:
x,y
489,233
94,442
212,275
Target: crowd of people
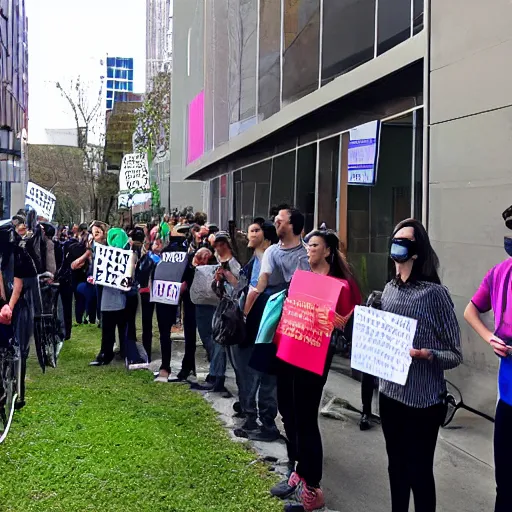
x,y
207,263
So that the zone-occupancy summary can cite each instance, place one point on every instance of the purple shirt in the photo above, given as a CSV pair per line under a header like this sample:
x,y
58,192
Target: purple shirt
x,y
495,293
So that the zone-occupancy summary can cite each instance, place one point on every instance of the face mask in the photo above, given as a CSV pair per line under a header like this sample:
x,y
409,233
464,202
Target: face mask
x,y
508,245
402,249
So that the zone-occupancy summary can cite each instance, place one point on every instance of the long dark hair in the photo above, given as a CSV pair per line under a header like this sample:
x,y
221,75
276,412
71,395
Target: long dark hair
x,y
426,265
339,266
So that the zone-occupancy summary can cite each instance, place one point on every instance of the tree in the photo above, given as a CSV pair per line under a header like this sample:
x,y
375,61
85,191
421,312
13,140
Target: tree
x,y
87,111
152,133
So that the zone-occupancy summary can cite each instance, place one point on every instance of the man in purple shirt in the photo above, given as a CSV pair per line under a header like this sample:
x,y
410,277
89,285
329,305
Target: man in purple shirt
x,y
494,294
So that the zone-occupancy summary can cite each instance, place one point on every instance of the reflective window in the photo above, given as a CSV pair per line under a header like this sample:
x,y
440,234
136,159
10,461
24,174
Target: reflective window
x,y
394,23
301,59
269,85
418,164
242,34
417,22
282,188
255,192
328,173
214,201
306,178
348,36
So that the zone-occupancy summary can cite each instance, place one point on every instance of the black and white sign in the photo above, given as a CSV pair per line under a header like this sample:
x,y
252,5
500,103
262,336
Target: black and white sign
x,y
41,200
134,173
112,267
166,292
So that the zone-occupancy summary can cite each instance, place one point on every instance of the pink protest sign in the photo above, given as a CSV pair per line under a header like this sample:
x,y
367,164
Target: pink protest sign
x,y
304,331
195,146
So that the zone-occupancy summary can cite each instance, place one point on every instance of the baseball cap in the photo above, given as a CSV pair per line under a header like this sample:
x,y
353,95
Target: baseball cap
x,y
222,236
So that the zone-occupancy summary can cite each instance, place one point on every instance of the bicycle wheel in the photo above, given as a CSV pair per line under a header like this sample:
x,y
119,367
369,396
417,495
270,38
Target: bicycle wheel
x,y
49,342
8,390
453,402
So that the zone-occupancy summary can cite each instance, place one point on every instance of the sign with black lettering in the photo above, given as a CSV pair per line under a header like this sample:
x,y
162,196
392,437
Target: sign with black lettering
x,y
42,201
166,292
134,174
112,267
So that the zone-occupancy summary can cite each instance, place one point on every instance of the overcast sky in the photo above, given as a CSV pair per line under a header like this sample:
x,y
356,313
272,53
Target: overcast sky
x,y
70,37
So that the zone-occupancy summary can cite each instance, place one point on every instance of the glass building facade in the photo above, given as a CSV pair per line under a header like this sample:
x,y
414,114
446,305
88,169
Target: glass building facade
x,y
119,80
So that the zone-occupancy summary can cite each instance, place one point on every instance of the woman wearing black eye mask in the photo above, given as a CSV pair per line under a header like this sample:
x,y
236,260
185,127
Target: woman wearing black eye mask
x,y
412,414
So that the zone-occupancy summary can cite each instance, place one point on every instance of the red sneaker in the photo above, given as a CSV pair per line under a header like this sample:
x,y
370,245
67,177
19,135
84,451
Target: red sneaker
x,y
312,499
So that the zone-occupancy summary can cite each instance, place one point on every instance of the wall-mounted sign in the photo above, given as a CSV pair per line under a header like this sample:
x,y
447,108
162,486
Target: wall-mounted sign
x,y
362,153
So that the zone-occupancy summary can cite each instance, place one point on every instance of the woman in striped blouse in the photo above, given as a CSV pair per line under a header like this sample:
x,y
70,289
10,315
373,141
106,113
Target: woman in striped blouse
x,y
412,414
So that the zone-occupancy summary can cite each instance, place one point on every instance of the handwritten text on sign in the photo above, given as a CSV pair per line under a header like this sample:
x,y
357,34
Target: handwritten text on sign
x,y
305,321
381,343
112,267
134,173
41,200
166,292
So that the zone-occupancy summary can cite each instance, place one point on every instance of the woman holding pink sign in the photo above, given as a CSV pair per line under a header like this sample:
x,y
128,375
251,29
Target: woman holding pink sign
x,y
412,414
300,391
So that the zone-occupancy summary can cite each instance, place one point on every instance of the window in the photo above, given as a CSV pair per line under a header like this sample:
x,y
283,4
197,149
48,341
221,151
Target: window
x,y
328,175
110,84
109,94
394,23
348,36
306,181
269,78
189,37
242,34
418,165
214,201
109,104
417,20
301,59
111,61
110,72
282,189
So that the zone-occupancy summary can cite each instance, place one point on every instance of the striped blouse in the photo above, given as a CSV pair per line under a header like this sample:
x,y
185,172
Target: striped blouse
x,y
437,330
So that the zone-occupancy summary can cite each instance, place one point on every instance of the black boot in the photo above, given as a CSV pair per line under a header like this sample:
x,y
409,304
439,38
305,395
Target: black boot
x,y
219,387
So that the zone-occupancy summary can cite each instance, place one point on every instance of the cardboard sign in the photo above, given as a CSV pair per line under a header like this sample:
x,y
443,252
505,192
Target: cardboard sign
x,y
112,267
166,292
304,331
381,342
41,200
134,174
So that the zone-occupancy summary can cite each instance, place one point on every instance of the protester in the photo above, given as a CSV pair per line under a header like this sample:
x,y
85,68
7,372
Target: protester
x,y
300,391
166,313
80,254
412,414
257,393
113,303
493,294
144,271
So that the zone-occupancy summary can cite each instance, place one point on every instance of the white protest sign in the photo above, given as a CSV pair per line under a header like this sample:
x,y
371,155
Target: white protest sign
x,y
112,267
381,343
166,292
41,200
134,174
134,200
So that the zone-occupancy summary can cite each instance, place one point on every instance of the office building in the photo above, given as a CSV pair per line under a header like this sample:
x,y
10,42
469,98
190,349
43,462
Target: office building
x,y
361,113
13,104
158,27
119,83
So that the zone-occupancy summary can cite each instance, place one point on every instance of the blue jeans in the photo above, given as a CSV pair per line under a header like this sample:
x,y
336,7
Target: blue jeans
x,y
89,299
217,353
257,391
502,456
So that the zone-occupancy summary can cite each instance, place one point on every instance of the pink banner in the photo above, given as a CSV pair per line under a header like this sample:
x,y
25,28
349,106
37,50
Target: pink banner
x,y
195,146
304,332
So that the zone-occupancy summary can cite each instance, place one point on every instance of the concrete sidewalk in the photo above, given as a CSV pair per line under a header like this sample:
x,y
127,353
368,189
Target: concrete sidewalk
x,y
355,462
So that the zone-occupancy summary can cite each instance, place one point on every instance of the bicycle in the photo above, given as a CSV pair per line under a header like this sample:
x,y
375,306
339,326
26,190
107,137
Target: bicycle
x,y
10,368
48,327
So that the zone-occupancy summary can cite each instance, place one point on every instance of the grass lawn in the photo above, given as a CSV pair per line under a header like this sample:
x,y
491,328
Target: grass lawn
x,y
103,439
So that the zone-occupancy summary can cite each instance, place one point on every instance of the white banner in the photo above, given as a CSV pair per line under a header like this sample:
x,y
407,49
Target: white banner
x,y
134,174
112,267
166,292
41,200
381,343
129,200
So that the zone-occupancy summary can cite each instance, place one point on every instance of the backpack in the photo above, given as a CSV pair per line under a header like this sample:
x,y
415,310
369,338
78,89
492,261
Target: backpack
x,y
228,322
201,291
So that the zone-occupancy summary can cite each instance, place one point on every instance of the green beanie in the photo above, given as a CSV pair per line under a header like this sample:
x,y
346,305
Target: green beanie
x,y
164,231
117,237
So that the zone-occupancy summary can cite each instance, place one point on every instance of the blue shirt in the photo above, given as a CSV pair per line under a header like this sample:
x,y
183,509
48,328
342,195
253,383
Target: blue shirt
x,y
256,267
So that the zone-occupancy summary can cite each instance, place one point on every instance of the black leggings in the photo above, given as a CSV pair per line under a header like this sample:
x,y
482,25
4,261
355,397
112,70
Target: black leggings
x,y
110,320
166,318
299,393
367,387
411,438
503,456
148,309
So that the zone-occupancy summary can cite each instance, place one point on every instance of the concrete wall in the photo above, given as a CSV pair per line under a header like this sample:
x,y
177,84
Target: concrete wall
x,y
188,14
470,162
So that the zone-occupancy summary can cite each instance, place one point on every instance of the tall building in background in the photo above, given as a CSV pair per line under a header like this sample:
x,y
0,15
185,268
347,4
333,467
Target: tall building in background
x,y
158,26
119,80
13,104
